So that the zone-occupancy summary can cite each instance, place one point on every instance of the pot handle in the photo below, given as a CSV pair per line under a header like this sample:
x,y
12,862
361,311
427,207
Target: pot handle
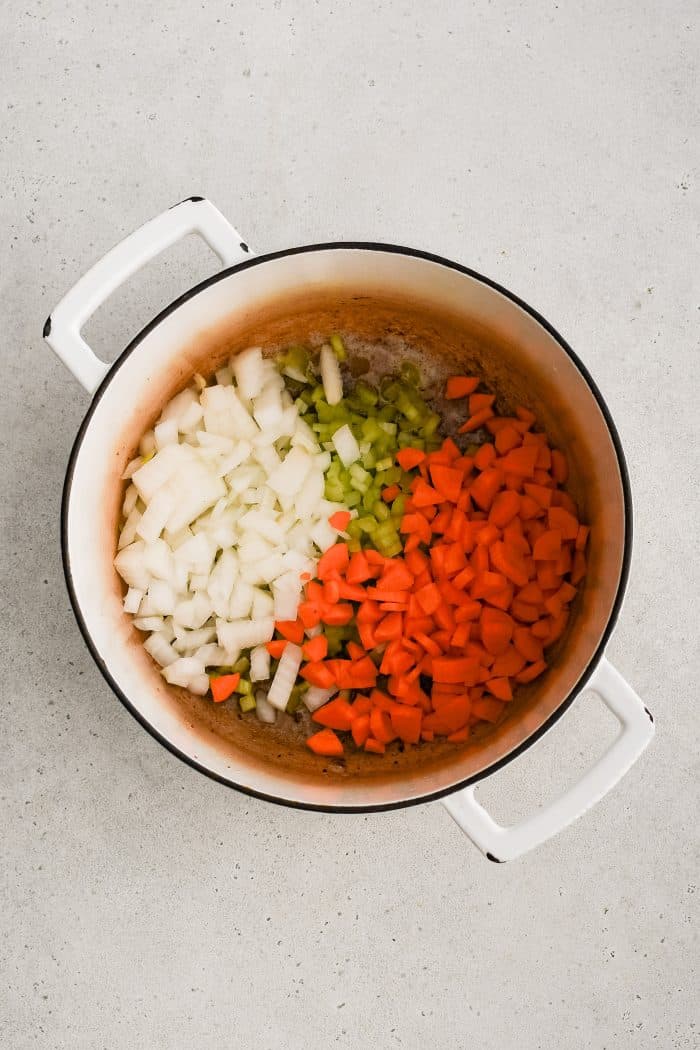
x,y
637,728
62,330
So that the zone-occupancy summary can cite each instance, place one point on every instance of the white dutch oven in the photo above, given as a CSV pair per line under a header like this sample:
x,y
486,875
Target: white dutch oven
x,y
374,289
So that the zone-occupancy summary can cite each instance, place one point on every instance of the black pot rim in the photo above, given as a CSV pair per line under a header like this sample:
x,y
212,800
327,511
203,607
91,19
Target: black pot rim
x,y
259,260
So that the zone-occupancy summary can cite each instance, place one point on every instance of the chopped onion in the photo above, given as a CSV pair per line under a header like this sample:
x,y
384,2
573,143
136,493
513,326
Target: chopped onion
x,y
346,446
285,676
259,664
264,709
315,697
249,372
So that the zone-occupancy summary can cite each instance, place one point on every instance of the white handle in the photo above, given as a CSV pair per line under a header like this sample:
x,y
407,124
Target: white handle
x,y
62,330
636,730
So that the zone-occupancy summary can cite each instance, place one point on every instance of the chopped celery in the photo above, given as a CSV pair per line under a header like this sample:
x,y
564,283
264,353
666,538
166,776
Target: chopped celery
x,y
247,702
366,394
244,687
410,374
338,347
242,666
380,510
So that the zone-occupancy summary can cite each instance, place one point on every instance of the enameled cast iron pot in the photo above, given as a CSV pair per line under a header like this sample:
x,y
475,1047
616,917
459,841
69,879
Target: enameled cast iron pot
x,y
390,296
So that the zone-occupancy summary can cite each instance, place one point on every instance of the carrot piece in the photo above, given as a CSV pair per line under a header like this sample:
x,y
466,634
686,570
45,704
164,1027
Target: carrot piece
x,y
532,594
508,562
447,481
480,560
496,630
360,728
529,508
358,570
521,461
477,402
532,671
485,457
460,386
564,521
395,576
340,520
548,546
425,496
319,674
406,722
416,562
430,598
325,742
336,615
409,458
451,717
459,736
351,592
223,686
506,438
507,664
487,583
564,562
390,493
292,630
540,630
416,523
484,488
315,649
578,568
361,706
464,578
461,636
560,466
453,669
381,727
476,420
527,644
366,633
427,734
582,537
504,508
331,592
488,708
276,647
501,599
335,559
539,493
500,688
363,674
524,612
375,746
336,714
428,644
388,628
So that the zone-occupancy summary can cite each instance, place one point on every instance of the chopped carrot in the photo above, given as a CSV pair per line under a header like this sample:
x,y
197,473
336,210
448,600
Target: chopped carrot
x,y
409,458
276,647
340,520
292,630
336,714
460,386
315,649
325,743
223,686
375,746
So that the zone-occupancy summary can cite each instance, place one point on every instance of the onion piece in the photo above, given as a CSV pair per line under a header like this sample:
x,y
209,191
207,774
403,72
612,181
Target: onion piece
x,y
285,676
346,446
264,709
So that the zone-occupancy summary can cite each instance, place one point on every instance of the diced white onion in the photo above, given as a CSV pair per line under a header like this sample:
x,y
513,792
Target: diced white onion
x,y
315,697
346,446
285,676
264,709
330,376
259,664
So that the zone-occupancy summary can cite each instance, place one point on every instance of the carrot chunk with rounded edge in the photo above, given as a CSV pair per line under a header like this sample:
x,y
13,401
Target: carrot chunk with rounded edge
x,y
358,570
484,488
447,481
562,520
527,644
340,520
325,742
337,615
506,438
509,563
452,669
390,493
504,508
331,592
376,746
476,420
548,546
406,722
460,386
459,736
500,688
425,496
496,630
578,568
360,728
488,708
532,671
336,714
315,649
477,402
430,598
539,493
319,674
524,612
408,458
560,466
582,537
508,663
223,686
388,628
292,630
335,559
521,461
380,726
276,647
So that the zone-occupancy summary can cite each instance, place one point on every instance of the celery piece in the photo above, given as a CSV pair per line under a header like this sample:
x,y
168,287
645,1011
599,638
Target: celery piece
x,y
410,374
354,546
366,394
354,530
391,476
430,425
338,347
351,499
384,464
242,666
368,523
317,394
244,687
247,702
380,510
398,506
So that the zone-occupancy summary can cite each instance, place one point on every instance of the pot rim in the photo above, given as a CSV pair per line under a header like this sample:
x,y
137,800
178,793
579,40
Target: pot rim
x,y
396,249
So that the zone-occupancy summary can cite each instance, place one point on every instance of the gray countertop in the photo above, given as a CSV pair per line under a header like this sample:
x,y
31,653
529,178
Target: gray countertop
x,y
553,147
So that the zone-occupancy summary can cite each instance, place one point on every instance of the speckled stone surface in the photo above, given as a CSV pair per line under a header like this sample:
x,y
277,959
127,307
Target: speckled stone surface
x,y
551,146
